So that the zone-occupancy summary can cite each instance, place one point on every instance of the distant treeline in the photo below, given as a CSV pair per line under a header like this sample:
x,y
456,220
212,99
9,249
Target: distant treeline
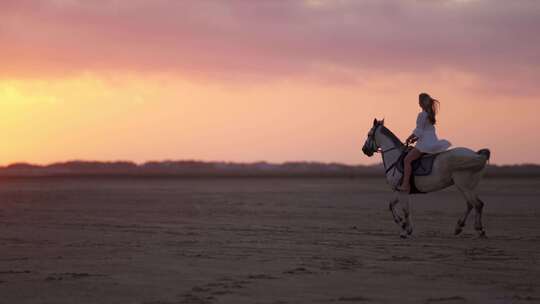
x,y
226,169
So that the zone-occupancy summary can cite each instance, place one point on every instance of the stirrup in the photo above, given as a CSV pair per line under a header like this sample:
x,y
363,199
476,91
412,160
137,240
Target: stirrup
x,y
401,189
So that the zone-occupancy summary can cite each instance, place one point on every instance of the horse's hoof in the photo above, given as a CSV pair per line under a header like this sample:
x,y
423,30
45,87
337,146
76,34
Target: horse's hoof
x,y
458,231
409,230
403,235
482,235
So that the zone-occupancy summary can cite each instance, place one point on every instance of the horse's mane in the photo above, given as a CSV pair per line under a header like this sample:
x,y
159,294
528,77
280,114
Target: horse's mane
x,y
391,135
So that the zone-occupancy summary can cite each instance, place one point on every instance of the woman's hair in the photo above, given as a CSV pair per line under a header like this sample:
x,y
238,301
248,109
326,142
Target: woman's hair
x,y
430,105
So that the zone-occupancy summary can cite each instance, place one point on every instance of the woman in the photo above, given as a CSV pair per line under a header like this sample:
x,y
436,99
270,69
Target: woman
x,y
425,137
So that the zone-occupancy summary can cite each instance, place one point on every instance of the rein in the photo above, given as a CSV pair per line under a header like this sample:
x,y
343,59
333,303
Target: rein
x,y
387,150
384,151
393,165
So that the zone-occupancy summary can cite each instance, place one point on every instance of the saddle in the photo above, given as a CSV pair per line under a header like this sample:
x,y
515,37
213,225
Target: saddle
x,y
420,167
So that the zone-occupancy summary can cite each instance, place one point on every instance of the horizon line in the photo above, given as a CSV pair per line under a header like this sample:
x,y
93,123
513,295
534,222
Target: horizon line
x,y
219,161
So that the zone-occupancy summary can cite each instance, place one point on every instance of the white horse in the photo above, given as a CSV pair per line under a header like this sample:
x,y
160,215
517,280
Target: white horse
x,y
461,167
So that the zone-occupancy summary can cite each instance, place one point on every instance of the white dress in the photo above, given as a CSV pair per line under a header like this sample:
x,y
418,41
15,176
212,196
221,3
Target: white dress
x,y
427,138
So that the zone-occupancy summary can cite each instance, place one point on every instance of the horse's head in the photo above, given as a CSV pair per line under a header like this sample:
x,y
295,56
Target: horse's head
x,y
370,146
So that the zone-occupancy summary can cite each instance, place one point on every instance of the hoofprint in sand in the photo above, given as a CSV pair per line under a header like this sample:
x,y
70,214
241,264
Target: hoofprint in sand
x,y
260,241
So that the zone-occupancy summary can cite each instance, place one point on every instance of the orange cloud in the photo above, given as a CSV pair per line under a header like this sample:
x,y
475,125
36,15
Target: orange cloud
x,y
265,80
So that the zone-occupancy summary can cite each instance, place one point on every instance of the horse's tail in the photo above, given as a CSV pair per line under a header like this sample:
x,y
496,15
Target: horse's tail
x,y
485,152
465,159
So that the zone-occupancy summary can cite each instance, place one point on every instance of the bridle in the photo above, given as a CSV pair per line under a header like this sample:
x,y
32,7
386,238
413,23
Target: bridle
x,y
371,136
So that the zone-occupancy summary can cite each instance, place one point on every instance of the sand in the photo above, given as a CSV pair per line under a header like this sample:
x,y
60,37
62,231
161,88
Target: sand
x,y
261,241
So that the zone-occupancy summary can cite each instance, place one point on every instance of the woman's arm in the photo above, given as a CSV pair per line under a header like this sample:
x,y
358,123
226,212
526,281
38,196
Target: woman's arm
x,y
420,124
411,139
417,132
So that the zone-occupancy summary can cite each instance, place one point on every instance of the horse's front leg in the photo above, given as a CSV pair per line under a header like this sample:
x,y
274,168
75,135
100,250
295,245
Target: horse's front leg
x,y
406,225
392,206
403,222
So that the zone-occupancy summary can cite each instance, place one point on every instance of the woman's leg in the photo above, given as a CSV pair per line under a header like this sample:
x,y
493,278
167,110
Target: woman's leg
x,y
413,155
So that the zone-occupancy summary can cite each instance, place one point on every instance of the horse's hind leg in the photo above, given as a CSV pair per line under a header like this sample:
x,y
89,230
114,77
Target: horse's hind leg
x,y
466,182
461,222
479,207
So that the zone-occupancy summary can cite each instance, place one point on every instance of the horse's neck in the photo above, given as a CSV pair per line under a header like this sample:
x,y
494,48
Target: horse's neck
x,y
387,144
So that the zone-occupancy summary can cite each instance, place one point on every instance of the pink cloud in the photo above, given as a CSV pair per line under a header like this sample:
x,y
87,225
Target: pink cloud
x,y
495,40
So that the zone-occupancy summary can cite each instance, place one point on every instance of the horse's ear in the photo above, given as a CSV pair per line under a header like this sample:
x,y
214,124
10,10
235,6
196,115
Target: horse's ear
x,y
382,121
375,121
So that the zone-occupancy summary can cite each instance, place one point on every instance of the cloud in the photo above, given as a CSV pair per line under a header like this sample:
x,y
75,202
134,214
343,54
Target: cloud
x,y
496,40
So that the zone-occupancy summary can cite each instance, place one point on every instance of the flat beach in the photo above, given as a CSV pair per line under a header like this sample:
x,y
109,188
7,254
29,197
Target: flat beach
x,y
261,240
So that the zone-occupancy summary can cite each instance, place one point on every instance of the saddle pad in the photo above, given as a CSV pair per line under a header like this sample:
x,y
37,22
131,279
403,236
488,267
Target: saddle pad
x,y
421,166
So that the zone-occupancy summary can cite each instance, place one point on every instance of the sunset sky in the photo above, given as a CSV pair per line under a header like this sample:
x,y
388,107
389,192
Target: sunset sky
x,y
242,80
